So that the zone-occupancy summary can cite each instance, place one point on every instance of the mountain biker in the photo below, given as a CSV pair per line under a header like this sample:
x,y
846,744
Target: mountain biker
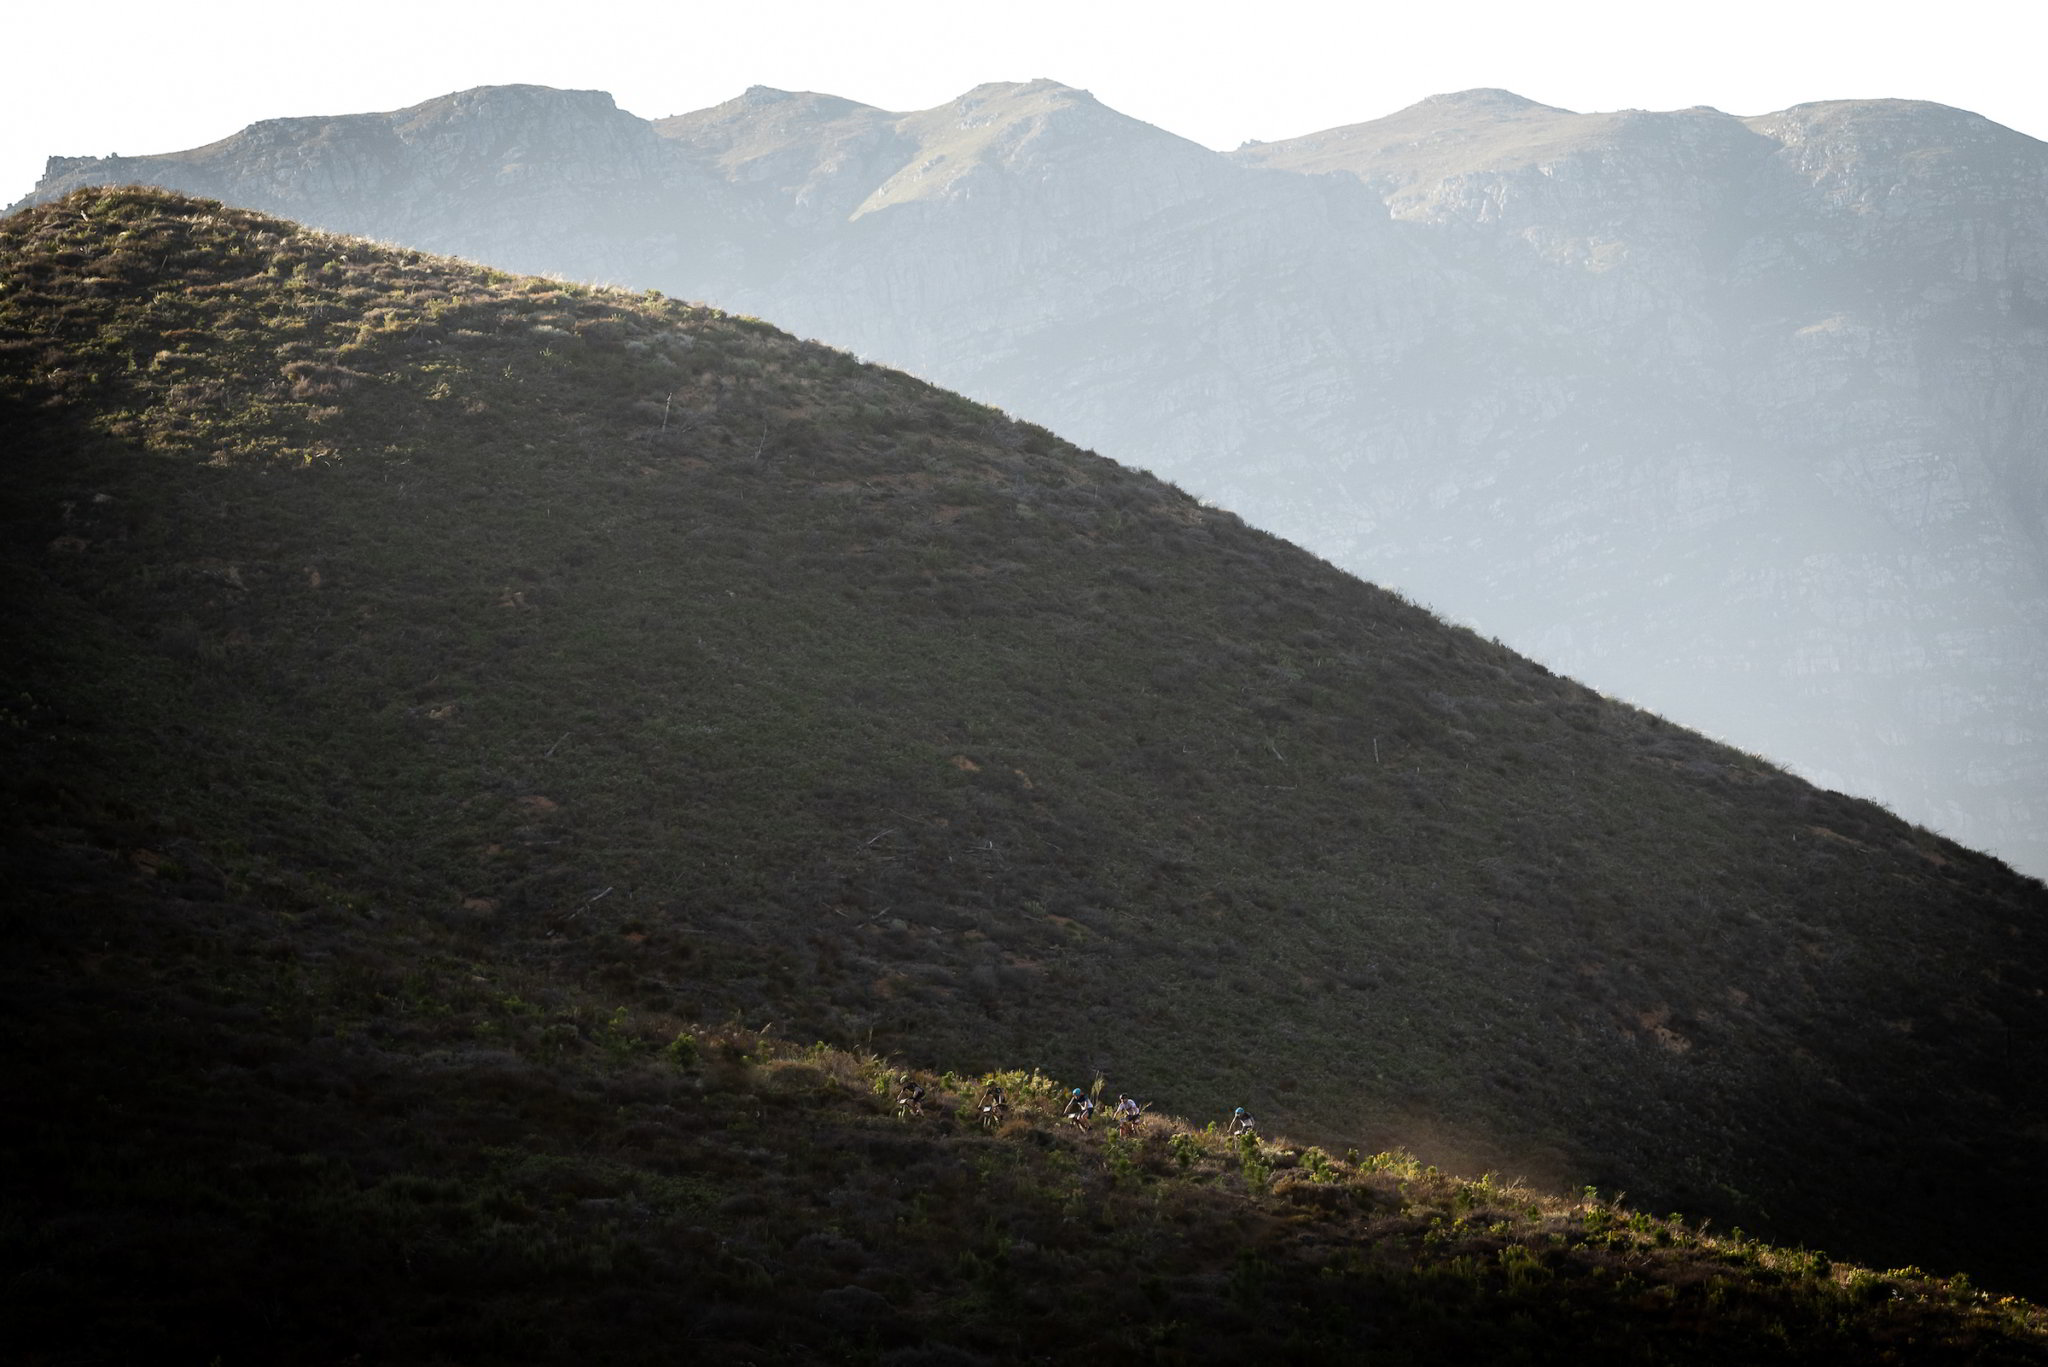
x,y
1241,1122
910,1095
1126,1113
1080,1108
994,1104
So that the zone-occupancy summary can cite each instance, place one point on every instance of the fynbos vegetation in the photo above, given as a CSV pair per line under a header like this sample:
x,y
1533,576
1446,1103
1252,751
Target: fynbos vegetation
x,y
458,723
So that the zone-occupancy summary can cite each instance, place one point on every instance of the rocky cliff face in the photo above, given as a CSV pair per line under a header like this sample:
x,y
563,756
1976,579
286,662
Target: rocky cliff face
x,y
1739,418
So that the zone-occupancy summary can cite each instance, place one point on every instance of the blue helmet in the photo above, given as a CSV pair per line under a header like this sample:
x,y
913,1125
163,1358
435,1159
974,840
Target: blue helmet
x,y
1077,1091
1240,1110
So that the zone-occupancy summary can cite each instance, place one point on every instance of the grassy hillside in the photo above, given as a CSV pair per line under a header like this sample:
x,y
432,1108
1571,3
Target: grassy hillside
x,y
392,641
406,1155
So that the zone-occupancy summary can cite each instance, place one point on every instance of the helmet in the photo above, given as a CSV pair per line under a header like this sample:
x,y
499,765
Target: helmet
x,y
1240,1110
1077,1091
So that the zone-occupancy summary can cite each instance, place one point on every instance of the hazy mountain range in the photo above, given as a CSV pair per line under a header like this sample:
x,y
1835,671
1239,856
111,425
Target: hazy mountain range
x,y
1738,418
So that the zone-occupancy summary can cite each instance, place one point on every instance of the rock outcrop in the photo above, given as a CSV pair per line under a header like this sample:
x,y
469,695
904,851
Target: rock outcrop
x,y
1740,418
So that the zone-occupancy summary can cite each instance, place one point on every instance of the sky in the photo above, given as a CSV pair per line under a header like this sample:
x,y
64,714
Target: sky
x,y
163,76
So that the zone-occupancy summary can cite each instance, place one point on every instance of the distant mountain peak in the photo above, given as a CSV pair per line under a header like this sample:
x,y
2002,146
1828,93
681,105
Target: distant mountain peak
x,y
1040,85
1009,123
1486,97
522,95
1887,105
1023,99
758,102
1924,113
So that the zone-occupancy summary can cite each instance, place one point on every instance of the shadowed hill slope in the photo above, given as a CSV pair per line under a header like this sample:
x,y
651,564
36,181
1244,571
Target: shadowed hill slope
x,y
441,1160
648,650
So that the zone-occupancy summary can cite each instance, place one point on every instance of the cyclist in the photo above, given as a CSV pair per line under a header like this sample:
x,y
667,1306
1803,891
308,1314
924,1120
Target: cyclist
x,y
1241,1122
1080,1108
1126,1113
910,1095
994,1104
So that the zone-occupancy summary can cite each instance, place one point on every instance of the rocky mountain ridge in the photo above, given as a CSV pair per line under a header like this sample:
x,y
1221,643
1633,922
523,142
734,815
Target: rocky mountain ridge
x,y
1735,417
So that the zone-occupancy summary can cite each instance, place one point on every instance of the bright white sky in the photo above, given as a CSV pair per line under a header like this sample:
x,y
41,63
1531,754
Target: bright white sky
x,y
130,77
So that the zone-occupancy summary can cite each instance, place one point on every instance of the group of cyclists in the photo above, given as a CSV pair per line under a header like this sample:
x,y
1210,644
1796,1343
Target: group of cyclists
x,y
1080,1109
